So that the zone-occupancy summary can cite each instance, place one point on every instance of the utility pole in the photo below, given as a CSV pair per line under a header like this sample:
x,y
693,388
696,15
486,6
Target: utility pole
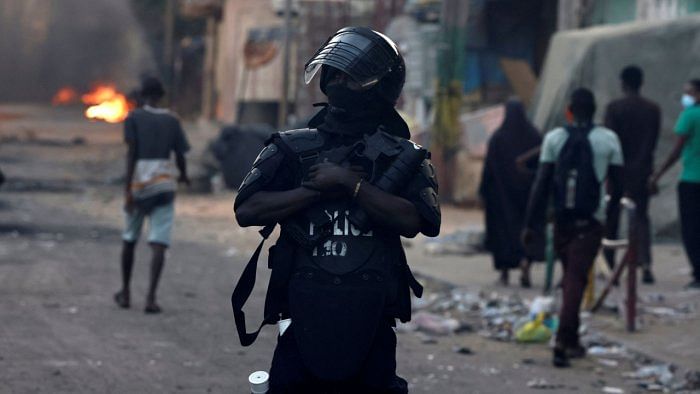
x,y
208,88
283,110
168,46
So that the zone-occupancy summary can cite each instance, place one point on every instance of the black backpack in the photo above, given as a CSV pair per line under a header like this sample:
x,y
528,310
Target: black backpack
x,y
576,186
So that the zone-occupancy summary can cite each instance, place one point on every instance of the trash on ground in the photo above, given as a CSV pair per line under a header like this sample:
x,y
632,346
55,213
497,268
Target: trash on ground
x,y
660,373
613,390
465,241
608,362
543,384
463,350
534,331
434,324
426,339
613,350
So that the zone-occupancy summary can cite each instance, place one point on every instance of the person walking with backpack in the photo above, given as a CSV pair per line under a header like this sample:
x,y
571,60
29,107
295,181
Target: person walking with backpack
x,y
636,120
575,161
687,146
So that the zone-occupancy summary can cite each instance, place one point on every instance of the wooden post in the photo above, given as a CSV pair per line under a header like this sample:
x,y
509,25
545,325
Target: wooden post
x,y
168,47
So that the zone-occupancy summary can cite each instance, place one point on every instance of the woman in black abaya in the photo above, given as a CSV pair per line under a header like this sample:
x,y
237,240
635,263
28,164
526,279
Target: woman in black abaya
x,y
505,189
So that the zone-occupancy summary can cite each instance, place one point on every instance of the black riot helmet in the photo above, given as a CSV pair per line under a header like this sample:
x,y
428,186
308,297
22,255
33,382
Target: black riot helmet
x,y
370,58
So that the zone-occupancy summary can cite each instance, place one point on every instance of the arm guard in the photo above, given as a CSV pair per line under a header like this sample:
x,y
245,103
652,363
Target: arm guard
x,y
263,171
406,157
423,192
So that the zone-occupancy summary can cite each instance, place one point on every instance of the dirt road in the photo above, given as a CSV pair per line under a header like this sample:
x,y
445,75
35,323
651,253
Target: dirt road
x,y
59,247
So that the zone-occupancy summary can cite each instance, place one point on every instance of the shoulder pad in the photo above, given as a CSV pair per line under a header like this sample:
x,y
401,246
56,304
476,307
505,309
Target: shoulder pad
x,y
302,140
405,143
263,171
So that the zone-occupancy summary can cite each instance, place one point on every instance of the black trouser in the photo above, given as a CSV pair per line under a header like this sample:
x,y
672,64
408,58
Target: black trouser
x,y
637,190
288,374
576,243
689,212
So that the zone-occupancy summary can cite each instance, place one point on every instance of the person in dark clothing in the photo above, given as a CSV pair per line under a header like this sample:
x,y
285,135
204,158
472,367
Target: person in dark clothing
x,y
152,135
636,121
577,232
504,191
687,148
342,209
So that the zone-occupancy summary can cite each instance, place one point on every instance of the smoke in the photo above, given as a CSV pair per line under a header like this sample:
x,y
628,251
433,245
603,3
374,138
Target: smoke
x,y
45,45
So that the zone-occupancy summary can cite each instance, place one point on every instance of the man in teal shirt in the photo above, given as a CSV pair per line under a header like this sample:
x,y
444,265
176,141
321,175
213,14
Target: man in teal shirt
x,y
688,147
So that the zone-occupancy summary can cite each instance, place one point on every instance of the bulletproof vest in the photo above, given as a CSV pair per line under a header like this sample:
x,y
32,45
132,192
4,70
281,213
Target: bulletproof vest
x,y
337,282
343,281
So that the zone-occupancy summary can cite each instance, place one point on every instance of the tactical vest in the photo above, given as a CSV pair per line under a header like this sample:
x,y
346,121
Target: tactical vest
x,y
336,281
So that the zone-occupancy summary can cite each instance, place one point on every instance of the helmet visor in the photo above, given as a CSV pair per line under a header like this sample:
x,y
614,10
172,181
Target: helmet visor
x,y
363,59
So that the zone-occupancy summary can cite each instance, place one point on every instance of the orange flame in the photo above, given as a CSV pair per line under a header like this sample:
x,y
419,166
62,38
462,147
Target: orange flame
x,y
106,103
64,96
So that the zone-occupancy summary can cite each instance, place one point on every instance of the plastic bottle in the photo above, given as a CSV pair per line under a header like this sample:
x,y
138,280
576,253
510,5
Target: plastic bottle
x,y
571,189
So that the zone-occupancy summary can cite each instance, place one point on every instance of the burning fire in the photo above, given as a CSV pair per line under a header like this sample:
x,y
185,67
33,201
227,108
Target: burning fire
x,y
106,103
64,96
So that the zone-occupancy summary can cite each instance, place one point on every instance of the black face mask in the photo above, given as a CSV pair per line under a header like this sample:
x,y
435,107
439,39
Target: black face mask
x,y
351,102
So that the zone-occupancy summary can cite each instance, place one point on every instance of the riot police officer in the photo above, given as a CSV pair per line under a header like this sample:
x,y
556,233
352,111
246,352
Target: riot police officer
x,y
344,191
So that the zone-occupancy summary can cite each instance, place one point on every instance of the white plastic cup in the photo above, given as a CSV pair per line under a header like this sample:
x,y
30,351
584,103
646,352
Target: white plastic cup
x,y
259,382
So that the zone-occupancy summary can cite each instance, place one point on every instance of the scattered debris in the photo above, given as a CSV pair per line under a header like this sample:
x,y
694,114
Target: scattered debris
x,y
660,373
607,351
465,241
427,339
489,371
463,350
433,324
613,390
692,381
608,363
543,384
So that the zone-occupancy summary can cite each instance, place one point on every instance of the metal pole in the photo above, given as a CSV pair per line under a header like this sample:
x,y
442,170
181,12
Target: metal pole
x,y
282,117
208,97
631,302
168,46
549,257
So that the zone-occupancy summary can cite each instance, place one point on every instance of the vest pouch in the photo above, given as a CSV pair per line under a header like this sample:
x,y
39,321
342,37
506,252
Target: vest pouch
x,y
335,319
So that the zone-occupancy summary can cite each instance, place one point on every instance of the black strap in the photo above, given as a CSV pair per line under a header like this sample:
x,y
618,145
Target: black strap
x,y
244,288
413,283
